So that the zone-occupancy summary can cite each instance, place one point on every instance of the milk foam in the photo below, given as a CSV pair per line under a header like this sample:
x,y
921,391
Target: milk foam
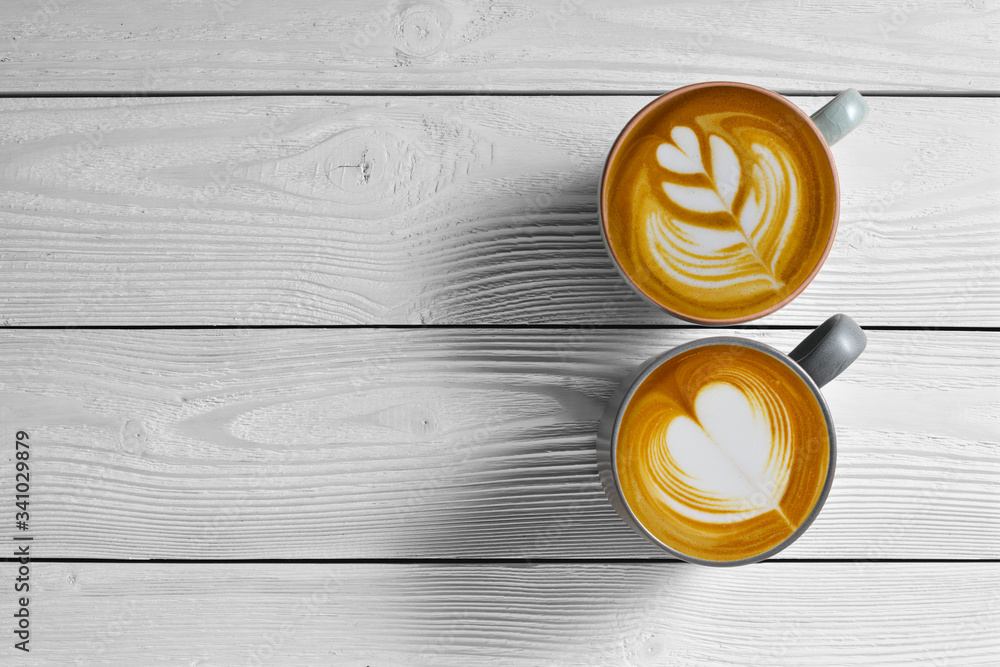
x,y
742,246
727,463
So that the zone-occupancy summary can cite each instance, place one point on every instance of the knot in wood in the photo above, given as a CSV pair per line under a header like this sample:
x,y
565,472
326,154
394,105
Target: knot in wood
x,y
420,30
134,438
358,162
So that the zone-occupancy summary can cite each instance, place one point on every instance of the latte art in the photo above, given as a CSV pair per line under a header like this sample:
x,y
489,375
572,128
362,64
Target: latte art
x,y
729,461
740,248
722,452
720,204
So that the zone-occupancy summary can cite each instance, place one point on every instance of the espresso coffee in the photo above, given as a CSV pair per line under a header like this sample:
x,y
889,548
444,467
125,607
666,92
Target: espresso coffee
x,y
722,452
720,203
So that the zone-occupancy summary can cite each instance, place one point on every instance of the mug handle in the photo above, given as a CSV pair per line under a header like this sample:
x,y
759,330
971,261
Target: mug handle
x,y
840,115
830,348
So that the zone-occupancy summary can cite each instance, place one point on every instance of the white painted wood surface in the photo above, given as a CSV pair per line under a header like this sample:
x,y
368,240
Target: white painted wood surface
x,y
435,443
651,46
578,614
430,444
330,210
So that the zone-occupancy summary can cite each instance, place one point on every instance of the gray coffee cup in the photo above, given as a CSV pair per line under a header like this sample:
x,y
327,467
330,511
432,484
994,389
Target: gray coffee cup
x,y
817,360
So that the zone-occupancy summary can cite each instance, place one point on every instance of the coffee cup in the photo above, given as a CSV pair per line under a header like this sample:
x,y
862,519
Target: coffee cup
x,y
722,451
720,201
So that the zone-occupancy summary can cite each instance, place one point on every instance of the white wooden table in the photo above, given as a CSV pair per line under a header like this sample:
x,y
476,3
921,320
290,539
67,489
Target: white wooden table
x,y
310,325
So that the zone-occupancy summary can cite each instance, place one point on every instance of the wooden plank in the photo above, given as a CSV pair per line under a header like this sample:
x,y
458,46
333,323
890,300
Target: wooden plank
x,y
332,210
583,614
245,45
431,443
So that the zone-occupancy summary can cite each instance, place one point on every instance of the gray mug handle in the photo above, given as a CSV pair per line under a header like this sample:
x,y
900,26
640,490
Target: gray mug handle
x,y
841,115
830,348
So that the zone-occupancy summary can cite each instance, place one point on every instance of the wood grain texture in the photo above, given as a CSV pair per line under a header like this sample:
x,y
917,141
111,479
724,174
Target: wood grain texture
x,y
245,45
832,614
332,210
433,443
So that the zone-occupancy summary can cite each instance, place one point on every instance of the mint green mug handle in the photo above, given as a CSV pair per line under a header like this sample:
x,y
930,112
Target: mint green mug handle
x,y
841,115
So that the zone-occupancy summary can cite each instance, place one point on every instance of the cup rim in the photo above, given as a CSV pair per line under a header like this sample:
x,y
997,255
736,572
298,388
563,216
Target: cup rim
x,y
603,204
657,361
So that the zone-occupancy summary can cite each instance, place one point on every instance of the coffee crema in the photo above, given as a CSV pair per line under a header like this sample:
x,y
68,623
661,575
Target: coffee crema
x,y
722,452
720,203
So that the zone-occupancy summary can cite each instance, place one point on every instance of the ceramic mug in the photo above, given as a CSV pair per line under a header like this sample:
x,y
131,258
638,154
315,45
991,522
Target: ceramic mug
x,y
722,451
719,201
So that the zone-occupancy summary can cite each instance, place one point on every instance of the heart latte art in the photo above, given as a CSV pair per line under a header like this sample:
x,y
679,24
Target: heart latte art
x,y
722,452
720,203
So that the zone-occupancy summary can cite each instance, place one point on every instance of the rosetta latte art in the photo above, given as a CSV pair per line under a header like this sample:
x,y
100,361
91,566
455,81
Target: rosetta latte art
x,y
744,244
